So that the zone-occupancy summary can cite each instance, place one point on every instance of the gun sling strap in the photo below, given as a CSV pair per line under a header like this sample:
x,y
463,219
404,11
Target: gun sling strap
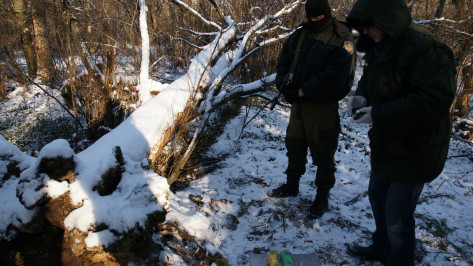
x,y
296,56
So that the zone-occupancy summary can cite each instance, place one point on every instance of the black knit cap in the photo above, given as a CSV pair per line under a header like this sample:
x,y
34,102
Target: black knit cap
x,y
314,8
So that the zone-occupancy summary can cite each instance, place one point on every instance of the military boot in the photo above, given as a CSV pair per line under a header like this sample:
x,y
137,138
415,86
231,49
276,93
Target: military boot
x,y
320,205
288,189
366,253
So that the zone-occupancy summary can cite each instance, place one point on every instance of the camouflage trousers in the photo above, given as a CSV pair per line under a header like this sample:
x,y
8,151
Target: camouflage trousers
x,y
314,127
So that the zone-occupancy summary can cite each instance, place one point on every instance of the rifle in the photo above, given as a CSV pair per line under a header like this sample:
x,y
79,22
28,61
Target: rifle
x,y
283,86
273,101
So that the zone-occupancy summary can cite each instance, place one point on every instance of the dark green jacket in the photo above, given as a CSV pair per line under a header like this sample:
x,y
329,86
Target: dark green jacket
x,y
409,81
323,69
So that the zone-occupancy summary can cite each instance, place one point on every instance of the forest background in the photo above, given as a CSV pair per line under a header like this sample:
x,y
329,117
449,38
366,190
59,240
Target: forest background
x,y
91,51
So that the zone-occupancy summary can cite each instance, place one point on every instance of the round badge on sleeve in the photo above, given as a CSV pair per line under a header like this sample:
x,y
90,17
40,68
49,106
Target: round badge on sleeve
x,y
348,46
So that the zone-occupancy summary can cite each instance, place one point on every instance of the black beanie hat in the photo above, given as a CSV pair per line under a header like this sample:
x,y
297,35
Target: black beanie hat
x,y
314,8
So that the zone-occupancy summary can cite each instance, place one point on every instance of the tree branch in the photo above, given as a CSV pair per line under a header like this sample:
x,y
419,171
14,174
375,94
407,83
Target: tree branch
x,y
196,14
437,23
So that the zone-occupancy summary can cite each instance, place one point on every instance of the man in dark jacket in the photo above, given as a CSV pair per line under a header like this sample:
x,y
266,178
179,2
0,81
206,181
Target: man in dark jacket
x,y
320,78
406,91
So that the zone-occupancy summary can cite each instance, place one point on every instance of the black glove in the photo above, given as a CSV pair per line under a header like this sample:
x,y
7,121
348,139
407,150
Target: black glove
x,y
290,93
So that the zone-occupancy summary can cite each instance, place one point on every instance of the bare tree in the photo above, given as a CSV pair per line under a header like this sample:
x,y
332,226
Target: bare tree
x,y
248,36
453,24
26,37
43,50
464,53
82,49
440,7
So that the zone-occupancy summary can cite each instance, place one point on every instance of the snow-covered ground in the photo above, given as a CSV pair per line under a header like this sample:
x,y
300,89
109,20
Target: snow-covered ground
x,y
236,217
228,210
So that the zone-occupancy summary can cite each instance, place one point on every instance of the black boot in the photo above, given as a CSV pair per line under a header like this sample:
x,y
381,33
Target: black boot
x,y
365,253
289,189
320,205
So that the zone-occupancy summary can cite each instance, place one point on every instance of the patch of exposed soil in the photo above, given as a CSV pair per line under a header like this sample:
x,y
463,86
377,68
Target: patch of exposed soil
x,y
33,249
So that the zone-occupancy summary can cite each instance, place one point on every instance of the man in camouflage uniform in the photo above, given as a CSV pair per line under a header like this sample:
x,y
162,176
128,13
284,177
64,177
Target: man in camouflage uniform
x,y
322,76
406,91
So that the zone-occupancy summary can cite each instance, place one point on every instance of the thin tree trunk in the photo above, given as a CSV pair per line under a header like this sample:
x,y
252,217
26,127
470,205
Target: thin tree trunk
x,y
26,37
43,50
465,78
155,9
462,10
144,71
80,46
440,7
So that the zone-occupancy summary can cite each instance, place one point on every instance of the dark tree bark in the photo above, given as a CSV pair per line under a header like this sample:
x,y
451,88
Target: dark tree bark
x,y
26,38
43,50
440,7
463,51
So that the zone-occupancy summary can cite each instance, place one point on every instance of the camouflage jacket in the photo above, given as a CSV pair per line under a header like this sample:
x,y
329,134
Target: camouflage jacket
x,y
324,67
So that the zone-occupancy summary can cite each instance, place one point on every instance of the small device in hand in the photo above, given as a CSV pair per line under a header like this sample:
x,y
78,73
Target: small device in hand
x,y
358,114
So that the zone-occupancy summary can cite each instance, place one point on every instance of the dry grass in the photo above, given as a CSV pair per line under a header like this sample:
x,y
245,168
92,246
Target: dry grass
x,y
165,156
110,31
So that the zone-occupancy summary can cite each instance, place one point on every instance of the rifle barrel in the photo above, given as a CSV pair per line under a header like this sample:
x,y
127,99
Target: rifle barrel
x,y
281,88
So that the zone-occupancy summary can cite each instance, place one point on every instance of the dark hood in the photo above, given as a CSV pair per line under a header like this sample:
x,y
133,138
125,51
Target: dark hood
x,y
391,16
313,8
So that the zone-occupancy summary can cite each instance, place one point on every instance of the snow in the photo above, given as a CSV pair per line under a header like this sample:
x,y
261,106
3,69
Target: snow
x,y
104,237
140,191
57,148
11,210
254,164
146,84
235,217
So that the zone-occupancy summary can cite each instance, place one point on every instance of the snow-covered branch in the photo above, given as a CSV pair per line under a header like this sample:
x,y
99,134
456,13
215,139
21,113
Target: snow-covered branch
x,y
241,53
200,33
438,23
243,90
144,71
189,43
227,61
273,29
197,14
446,20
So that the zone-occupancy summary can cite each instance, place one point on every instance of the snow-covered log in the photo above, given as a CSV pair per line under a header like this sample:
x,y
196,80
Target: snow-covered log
x,y
229,60
106,193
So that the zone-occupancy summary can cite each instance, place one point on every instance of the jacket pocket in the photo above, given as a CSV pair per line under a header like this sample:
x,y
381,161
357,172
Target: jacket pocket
x,y
383,149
